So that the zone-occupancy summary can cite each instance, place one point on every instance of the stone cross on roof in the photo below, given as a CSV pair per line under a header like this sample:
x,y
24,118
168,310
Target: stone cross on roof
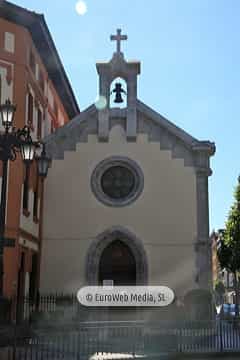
x,y
118,38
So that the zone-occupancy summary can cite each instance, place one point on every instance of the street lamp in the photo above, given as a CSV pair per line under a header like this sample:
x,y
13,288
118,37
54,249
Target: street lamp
x,y
43,163
28,149
7,114
12,141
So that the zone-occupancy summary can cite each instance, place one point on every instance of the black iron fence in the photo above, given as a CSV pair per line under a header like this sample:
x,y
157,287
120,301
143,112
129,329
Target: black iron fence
x,y
50,308
53,307
58,327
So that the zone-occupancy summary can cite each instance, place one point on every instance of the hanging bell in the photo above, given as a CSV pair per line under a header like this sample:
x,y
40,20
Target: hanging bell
x,y
118,90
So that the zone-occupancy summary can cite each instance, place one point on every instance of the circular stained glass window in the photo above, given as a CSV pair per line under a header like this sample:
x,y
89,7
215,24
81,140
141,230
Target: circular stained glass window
x,y
117,181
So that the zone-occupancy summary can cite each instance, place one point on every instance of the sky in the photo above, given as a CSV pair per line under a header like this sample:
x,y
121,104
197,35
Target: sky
x,y
190,67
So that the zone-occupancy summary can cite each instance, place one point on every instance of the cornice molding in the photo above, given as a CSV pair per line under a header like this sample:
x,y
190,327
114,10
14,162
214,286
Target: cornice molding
x,y
195,153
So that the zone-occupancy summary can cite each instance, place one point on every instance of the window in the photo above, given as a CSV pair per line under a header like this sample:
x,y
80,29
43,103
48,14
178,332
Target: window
x,y
9,42
41,80
32,62
34,277
55,108
30,109
117,181
35,203
39,124
52,126
25,196
26,189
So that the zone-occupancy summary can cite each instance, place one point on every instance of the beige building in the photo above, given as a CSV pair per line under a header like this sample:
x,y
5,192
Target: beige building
x,y
126,196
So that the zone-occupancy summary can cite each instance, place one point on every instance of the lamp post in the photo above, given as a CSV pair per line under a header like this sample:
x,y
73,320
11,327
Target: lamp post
x,y
13,141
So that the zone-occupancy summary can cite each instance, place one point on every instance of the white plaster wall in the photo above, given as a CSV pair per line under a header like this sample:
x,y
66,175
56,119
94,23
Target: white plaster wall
x,y
163,217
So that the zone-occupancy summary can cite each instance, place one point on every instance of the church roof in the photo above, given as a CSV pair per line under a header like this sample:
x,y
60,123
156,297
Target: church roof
x,y
150,122
165,123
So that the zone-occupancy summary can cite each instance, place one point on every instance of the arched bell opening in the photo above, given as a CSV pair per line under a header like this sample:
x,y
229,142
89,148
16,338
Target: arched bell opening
x,y
118,93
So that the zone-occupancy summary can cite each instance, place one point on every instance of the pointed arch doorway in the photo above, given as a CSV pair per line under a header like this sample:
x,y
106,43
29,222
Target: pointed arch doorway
x,y
117,264
122,252
117,255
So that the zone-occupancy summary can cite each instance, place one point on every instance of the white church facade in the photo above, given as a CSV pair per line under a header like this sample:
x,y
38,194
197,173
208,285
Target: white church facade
x,y
126,198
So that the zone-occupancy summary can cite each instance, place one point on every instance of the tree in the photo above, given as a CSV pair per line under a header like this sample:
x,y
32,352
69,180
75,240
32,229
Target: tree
x,y
229,247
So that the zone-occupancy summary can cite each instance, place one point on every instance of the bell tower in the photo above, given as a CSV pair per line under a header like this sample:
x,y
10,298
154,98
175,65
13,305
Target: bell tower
x,y
108,71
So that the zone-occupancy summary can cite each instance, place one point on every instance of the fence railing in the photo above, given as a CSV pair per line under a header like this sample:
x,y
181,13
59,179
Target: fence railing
x,y
58,327
111,339
52,307
49,307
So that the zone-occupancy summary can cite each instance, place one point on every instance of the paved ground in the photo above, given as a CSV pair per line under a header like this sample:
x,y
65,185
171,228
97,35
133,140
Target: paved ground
x,y
211,357
77,345
228,357
5,355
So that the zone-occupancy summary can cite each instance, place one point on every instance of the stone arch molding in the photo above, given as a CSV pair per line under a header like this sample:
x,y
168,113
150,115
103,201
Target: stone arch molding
x,y
103,240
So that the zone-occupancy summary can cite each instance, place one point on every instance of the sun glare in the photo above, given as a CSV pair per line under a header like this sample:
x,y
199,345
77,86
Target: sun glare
x,y
101,102
81,7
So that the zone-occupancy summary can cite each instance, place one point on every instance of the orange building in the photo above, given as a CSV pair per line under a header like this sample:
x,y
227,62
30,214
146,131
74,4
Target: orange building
x,y
33,78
